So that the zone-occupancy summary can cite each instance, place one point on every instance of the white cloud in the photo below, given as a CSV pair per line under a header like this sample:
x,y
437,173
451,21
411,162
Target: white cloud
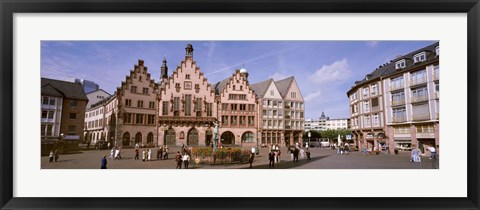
x,y
313,96
278,76
337,71
373,44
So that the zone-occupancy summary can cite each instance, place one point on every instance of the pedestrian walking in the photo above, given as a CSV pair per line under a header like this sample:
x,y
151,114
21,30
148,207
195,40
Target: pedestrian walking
x,y
56,155
159,153
271,158
415,155
433,152
250,160
149,154
108,145
112,153
308,154
103,162
186,159
143,155
137,154
51,156
279,155
295,154
178,159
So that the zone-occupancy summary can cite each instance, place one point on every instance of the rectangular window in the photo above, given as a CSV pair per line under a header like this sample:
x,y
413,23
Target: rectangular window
x,y
140,104
242,96
187,76
365,92
187,85
399,115
425,129
271,93
165,108
188,105
45,101
44,114
243,120
251,120
128,118
419,94
145,91
376,120
233,107
209,109
366,106
366,121
139,118
233,120
398,98
421,112
100,122
133,89
224,120
374,89
151,119
198,104
401,129
176,103
128,102
152,105
243,107
400,64
52,101
73,116
419,57
49,130
437,50
224,106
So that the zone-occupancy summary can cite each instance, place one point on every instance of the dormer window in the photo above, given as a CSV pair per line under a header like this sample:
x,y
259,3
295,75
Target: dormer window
x,y
187,76
419,57
400,64
437,50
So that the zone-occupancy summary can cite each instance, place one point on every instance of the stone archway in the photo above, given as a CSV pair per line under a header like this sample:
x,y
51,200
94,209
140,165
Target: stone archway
x,y
170,137
227,137
138,138
149,138
126,139
247,137
208,137
192,137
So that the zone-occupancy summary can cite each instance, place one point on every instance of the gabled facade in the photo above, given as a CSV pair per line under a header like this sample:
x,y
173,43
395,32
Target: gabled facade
x,y
187,105
293,110
238,110
96,96
137,108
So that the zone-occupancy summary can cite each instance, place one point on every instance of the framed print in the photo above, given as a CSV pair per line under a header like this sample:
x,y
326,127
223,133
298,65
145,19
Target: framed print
x,y
268,104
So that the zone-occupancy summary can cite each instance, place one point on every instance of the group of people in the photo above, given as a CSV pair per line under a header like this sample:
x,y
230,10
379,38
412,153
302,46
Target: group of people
x,y
53,156
185,158
162,153
115,153
415,154
343,149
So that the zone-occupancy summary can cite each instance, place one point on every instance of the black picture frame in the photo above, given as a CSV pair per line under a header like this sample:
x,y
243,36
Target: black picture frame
x,y
10,7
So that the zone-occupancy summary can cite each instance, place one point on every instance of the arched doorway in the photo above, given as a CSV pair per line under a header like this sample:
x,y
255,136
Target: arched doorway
x,y
126,139
227,137
192,137
149,138
138,138
170,137
247,137
208,137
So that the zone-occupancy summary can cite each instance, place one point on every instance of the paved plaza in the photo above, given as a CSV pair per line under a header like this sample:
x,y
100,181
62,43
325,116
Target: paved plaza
x,y
320,159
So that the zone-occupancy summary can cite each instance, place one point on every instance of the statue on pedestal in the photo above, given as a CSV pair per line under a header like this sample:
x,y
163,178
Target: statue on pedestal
x,y
215,136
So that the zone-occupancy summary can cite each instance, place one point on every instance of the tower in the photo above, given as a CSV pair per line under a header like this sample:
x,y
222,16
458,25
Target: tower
x,y
189,50
164,69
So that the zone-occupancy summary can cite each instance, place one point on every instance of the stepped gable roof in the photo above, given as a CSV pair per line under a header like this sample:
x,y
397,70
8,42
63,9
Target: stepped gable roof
x,y
283,85
69,90
261,87
220,86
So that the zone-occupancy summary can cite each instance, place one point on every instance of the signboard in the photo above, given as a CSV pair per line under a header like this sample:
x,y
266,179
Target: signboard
x,y
348,137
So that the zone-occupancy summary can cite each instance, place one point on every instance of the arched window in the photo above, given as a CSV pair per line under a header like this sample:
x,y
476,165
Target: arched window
x,y
138,138
126,139
170,137
247,137
192,137
150,138
227,137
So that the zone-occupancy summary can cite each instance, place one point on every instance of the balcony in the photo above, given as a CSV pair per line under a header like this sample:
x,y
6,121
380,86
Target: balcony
x,y
396,86
420,117
419,98
398,102
399,119
418,81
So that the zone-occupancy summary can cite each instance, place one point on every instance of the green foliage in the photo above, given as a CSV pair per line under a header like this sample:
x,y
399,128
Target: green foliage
x,y
222,154
333,134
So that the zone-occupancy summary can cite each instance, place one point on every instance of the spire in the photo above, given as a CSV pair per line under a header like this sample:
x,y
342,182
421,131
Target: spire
x,y
189,50
164,68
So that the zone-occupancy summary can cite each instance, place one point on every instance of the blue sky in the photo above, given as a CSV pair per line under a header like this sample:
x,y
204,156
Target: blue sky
x,y
324,70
